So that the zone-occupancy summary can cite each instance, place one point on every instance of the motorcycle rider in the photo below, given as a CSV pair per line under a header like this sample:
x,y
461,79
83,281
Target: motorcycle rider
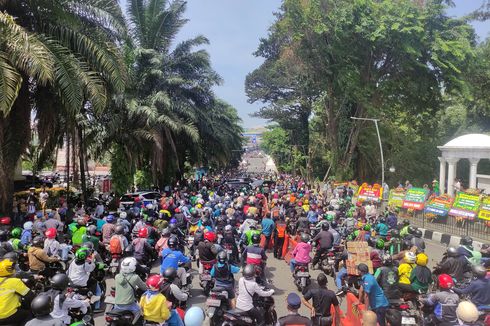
x,y
206,249
171,258
382,228
142,249
323,299
80,268
247,287
118,242
51,245
325,241
301,253
372,295
445,301
127,281
467,314
228,242
418,242
223,272
172,291
26,237
405,270
421,276
109,229
454,264
387,278
279,236
153,303
38,257
91,236
478,289
78,230
247,236
41,307
63,300
255,255
293,318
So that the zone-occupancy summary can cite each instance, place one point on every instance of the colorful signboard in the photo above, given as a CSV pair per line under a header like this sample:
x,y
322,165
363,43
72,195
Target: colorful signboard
x,y
370,193
465,206
396,197
439,205
415,199
485,209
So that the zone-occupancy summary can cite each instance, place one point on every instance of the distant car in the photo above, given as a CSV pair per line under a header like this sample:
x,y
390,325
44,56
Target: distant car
x,y
147,197
31,181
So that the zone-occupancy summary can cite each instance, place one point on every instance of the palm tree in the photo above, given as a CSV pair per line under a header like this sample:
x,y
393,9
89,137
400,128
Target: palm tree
x,y
56,57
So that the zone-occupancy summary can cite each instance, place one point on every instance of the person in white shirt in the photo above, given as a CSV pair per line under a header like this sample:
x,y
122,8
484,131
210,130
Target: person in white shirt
x,y
63,300
80,268
247,287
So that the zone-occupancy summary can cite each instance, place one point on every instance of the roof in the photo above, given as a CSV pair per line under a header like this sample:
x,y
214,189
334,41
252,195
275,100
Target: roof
x,y
469,141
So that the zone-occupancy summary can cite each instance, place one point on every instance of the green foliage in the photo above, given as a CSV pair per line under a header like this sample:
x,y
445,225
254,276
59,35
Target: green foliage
x,y
142,179
122,171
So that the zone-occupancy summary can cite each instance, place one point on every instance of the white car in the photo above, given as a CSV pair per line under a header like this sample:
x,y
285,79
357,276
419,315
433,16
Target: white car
x,y
147,197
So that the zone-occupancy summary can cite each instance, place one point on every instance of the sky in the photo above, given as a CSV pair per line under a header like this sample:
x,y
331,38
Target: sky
x,y
234,29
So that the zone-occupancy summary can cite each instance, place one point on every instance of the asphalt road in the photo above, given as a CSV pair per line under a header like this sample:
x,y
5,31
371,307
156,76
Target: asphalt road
x,y
278,271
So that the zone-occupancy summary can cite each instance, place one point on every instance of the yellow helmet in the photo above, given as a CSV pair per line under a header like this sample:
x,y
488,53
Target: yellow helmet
x,y
306,202
422,259
6,268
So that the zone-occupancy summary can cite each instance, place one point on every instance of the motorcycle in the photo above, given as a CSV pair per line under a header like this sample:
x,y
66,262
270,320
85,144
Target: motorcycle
x,y
301,276
205,279
327,263
217,304
119,318
238,317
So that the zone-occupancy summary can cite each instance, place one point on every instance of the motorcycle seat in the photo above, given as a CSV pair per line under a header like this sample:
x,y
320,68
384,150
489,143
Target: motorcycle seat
x,y
302,264
237,312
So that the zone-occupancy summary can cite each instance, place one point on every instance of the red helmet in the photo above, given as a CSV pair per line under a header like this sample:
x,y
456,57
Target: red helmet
x,y
358,204
210,236
154,281
5,220
165,207
177,210
300,204
445,281
50,233
143,233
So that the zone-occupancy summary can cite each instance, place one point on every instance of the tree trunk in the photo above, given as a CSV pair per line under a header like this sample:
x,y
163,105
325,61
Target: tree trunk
x,y
67,162
81,149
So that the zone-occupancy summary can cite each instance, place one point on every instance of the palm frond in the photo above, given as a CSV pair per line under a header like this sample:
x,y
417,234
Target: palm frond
x,y
10,82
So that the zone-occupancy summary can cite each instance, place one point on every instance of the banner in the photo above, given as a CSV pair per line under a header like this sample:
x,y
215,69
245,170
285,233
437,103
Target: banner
x,y
415,199
370,193
465,205
439,205
485,209
396,197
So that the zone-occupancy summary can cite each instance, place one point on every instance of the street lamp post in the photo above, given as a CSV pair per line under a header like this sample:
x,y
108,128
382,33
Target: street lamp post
x,y
380,146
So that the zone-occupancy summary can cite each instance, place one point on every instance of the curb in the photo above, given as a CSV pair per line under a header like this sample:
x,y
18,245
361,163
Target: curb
x,y
447,239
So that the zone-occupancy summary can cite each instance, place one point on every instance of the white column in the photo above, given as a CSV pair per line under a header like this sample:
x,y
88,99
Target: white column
x,y
451,174
442,174
473,171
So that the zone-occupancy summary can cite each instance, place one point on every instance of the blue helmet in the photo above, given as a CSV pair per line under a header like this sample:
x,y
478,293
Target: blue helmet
x,y
194,317
110,218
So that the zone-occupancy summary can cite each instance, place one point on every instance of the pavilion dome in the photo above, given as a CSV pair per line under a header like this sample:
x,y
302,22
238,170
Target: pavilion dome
x,y
469,141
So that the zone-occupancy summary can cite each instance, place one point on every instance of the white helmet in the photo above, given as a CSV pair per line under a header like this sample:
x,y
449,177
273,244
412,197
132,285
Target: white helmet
x,y
149,206
410,257
128,265
123,215
467,312
28,225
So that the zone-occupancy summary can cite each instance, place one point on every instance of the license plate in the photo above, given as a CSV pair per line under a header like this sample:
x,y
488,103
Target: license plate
x,y
213,302
303,274
408,321
205,277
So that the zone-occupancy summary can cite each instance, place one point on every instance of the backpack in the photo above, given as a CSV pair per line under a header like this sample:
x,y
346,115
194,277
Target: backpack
x,y
115,245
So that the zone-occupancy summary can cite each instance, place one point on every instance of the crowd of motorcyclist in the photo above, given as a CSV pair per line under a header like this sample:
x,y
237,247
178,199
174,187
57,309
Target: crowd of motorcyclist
x,y
55,261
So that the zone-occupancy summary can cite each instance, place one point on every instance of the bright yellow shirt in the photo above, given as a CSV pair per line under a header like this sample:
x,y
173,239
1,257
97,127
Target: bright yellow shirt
x,y
404,271
154,309
11,290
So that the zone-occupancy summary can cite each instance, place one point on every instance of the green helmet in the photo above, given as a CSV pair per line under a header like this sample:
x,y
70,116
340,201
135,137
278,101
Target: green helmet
x,y
349,214
192,210
16,232
380,244
367,227
329,217
356,233
81,253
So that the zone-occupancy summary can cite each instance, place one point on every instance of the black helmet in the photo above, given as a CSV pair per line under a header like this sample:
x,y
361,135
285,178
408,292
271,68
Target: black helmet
x,y
60,281
406,222
305,237
249,272
170,274
4,234
255,238
388,261
41,305
222,257
479,271
38,242
395,233
467,241
89,245
452,252
417,233
382,220
172,242
119,229
12,255
325,226
333,225
411,229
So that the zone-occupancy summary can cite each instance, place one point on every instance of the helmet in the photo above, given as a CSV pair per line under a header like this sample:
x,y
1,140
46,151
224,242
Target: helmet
x,y
210,236
466,241
82,253
411,229
380,244
329,217
128,265
170,274
89,245
12,255
38,242
119,230
4,235
222,257
325,226
50,233
228,228
333,225
5,220
452,252
60,281
41,305
172,242
422,259
418,233
382,220
406,222
154,281
143,233
410,257
249,272
305,237
388,260
173,221
194,317
367,227
149,206
81,221
28,225
467,312
16,233
255,238
479,271
6,267
110,218
445,281
395,233
92,229
123,215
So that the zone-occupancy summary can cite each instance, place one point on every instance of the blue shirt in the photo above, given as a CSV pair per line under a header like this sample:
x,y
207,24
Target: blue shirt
x,y
267,226
233,270
172,258
312,217
382,229
376,295
26,237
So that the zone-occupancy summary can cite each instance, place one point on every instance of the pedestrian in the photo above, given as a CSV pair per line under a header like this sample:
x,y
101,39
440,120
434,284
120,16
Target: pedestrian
x,y
372,295
267,229
293,318
279,236
322,301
